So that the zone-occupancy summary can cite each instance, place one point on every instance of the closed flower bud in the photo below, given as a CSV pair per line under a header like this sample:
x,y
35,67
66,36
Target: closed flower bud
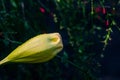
x,y
38,49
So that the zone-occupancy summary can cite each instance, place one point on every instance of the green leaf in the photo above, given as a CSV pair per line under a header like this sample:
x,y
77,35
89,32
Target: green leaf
x,y
13,3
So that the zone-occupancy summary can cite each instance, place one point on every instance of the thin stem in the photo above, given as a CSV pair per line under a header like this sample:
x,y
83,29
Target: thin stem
x,y
4,8
92,8
107,38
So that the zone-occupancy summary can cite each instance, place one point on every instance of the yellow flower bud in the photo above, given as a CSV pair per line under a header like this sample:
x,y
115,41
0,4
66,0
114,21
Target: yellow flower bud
x,y
38,49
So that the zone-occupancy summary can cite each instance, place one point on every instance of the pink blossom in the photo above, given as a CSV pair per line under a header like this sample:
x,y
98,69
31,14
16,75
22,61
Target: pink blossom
x,y
98,9
42,10
103,10
107,22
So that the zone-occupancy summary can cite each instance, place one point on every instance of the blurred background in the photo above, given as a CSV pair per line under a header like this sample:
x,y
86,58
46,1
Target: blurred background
x,y
90,32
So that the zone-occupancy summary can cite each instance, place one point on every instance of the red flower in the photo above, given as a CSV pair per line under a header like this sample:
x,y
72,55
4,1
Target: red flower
x,y
107,23
103,10
98,9
42,10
